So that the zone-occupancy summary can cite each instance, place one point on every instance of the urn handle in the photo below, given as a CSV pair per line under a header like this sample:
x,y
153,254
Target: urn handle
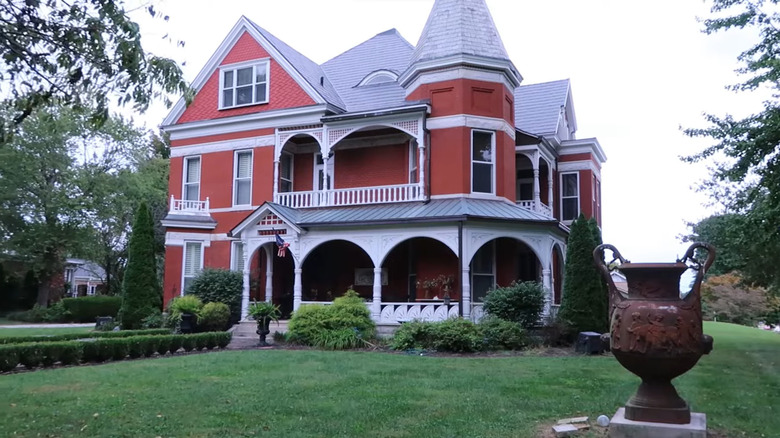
x,y
700,268
598,257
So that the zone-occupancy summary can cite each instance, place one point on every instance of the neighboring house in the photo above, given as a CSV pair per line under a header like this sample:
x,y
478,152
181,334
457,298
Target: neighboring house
x,y
408,172
83,278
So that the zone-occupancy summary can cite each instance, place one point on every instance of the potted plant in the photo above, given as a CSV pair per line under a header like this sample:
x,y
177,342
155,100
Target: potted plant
x,y
264,312
185,311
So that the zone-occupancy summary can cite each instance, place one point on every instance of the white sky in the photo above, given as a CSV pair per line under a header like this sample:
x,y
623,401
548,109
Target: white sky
x,y
639,71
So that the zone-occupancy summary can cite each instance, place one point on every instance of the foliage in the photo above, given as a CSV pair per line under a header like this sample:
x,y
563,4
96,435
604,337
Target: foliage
x,y
153,321
520,302
87,309
186,304
343,324
584,302
454,335
500,334
141,291
78,53
74,336
262,309
726,299
214,317
221,286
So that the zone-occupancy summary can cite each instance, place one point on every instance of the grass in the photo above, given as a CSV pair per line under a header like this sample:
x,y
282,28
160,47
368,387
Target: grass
x,y
285,393
13,331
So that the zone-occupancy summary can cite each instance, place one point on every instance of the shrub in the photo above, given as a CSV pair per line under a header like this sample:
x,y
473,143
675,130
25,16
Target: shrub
x,y
176,343
520,302
454,335
499,334
57,312
9,357
149,345
219,286
163,344
36,314
412,335
30,355
152,321
87,309
67,352
211,341
344,324
118,347
223,339
214,317
141,291
135,348
186,304
73,336
188,342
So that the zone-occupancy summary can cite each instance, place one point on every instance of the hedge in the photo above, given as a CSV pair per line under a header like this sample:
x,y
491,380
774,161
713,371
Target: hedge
x,y
46,354
87,309
74,336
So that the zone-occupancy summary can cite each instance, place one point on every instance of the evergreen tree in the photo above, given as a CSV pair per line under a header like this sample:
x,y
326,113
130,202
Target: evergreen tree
x,y
583,305
602,299
141,291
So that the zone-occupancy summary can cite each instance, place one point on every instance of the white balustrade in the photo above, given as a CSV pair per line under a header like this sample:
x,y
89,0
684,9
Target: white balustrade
x,y
477,312
396,313
352,196
184,206
317,303
545,210
537,207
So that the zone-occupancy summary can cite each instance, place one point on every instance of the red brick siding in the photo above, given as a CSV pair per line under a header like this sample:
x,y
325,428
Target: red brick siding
x,y
303,176
172,276
467,96
373,166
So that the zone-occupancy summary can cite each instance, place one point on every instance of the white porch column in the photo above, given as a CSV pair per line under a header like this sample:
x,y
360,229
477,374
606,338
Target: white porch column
x,y
245,293
376,304
465,289
550,199
421,163
269,274
276,178
548,289
297,288
537,189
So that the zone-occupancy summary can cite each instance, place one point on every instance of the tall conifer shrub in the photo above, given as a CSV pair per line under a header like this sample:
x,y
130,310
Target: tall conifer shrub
x,y
141,291
584,301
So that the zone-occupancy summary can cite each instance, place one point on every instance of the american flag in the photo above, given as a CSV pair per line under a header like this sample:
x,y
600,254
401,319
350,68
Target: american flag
x,y
282,246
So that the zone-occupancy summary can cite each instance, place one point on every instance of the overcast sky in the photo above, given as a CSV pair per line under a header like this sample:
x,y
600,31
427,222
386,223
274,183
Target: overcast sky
x,y
639,71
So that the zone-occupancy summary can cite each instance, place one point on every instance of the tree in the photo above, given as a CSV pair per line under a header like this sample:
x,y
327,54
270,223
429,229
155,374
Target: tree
x,y
727,298
584,302
78,53
141,291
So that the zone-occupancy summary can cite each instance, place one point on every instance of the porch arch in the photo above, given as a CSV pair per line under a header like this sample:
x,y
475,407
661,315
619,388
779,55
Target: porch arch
x,y
331,267
499,262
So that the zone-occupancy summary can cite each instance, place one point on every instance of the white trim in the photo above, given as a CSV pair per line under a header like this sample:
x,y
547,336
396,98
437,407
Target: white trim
x,y
255,63
492,161
253,218
185,171
413,162
243,24
499,70
235,208
222,146
493,274
233,259
572,166
471,121
315,181
307,115
560,197
291,180
184,261
377,73
187,224
235,175
583,146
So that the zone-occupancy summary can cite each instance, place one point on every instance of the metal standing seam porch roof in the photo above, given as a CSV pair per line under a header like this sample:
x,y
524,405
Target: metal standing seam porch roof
x,y
436,209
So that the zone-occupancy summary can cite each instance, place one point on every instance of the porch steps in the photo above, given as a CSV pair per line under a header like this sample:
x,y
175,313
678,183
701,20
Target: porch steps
x,y
245,336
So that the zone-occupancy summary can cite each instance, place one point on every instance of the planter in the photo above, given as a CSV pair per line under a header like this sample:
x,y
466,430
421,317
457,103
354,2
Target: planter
x,y
187,323
263,329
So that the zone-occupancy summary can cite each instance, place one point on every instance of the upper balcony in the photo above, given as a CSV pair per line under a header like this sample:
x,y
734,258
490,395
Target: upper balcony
x,y
351,196
183,213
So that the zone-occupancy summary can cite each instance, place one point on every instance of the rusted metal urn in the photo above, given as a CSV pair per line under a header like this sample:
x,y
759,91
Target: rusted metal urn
x,y
654,333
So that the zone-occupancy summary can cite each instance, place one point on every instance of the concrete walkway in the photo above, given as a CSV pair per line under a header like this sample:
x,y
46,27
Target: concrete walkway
x,y
245,336
46,326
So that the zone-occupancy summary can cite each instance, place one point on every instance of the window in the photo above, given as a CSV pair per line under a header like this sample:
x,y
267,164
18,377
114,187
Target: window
x,y
319,182
481,162
413,158
525,189
483,277
243,86
237,256
193,263
192,179
91,289
242,178
286,173
570,198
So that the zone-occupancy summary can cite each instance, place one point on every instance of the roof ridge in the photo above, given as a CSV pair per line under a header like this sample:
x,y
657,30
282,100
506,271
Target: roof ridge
x,y
388,32
547,82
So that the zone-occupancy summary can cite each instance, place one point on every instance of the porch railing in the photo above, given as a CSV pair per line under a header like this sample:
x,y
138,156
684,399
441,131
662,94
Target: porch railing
x,y
352,196
184,206
539,207
396,313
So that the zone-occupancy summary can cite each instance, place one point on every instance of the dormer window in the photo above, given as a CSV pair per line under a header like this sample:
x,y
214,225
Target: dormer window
x,y
378,77
244,84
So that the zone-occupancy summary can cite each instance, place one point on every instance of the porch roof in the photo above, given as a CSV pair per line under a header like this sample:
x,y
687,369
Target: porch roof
x,y
434,210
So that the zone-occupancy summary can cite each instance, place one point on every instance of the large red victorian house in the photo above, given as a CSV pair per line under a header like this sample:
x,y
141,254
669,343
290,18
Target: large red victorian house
x,y
408,172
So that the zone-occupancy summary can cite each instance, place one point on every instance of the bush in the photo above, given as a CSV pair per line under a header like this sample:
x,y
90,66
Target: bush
x,y
186,304
342,325
9,357
30,355
520,302
219,286
214,317
87,309
176,343
152,321
223,339
499,334
73,336
135,348
57,312
36,314
188,342
163,344
413,335
149,345
66,352
454,335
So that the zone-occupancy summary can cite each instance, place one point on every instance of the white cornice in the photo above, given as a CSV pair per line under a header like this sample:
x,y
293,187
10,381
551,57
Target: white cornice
x,y
571,166
584,145
458,72
504,66
222,146
480,122
186,224
242,25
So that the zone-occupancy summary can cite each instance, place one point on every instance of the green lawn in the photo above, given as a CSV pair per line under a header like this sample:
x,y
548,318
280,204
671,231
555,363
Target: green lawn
x,y
10,332
278,393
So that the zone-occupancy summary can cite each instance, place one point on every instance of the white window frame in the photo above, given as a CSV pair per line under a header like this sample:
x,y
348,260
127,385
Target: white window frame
x,y
291,180
236,178
185,171
562,197
414,173
91,289
255,64
492,245
492,162
234,259
315,182
184,261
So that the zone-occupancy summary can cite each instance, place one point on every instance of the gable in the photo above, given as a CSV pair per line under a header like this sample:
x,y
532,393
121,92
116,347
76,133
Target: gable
x,y
284,91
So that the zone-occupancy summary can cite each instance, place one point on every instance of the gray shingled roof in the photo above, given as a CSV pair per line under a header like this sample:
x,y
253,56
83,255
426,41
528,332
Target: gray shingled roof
x,y
436,209
538,106
457,27
306,67
385,51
